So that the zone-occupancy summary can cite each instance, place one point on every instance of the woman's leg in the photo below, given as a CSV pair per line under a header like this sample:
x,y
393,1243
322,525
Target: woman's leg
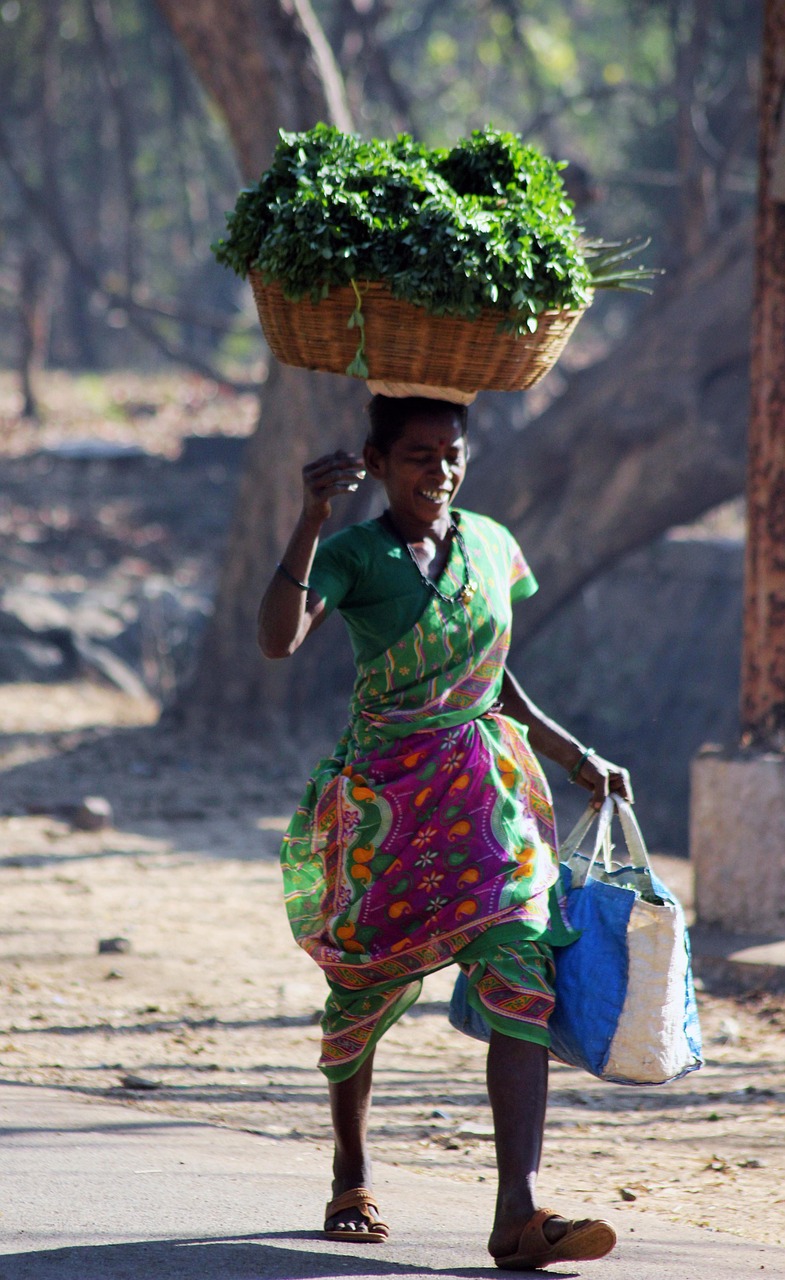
x,y
518,1092
517,1078
370,1012
350,1105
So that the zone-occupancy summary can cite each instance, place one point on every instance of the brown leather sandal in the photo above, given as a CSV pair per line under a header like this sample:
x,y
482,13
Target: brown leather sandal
x,y
362,1199
583,1240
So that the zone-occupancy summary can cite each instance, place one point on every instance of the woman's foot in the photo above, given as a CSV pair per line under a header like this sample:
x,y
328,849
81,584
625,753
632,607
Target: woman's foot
x,y
354,1215
546,1237
505,1235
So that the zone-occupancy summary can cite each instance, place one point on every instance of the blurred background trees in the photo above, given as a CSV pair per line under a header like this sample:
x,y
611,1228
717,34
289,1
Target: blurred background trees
x,y
116,172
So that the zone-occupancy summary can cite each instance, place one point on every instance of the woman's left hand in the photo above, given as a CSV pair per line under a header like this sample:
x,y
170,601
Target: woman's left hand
x,y
601,778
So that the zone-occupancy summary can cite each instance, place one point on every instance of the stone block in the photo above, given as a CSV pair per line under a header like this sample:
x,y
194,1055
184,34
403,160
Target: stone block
x,y
737,842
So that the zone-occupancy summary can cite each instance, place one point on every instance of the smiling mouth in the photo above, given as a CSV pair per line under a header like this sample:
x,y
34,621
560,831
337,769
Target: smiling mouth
x,y
434,495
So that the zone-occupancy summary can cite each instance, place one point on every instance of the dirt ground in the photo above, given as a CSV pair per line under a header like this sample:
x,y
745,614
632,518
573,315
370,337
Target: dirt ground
x,y
206,1009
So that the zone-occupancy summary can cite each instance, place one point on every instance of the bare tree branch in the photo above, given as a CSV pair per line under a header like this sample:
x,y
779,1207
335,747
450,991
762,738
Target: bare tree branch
x,y
48,213
99,21
592,95
366,60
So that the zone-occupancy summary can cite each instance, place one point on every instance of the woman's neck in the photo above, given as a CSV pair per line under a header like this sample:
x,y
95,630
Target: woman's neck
x,y
411,530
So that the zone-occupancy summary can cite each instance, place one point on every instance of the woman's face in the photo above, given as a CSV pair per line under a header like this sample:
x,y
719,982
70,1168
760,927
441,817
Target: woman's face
x,y
424,468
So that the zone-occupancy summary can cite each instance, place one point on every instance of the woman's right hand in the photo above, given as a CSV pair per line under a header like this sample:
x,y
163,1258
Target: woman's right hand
x,y
326,478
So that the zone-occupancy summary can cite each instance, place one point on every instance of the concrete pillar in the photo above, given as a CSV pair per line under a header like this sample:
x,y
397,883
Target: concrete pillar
x,y
737,842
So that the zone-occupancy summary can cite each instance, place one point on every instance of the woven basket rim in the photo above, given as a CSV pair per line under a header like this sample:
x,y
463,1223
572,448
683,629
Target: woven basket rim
x,y
381,286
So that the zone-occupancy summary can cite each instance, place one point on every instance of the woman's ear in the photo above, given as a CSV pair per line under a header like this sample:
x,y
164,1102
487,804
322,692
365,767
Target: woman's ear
x,y
374,461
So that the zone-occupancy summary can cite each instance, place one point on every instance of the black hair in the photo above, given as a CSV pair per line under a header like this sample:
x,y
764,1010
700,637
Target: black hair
x,y
390,414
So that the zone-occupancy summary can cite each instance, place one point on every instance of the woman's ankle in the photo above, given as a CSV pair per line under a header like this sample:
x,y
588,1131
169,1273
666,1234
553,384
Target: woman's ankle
x,y
351,1171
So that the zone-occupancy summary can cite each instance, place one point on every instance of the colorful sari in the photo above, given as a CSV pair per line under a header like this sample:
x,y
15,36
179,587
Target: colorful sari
x,y
430,830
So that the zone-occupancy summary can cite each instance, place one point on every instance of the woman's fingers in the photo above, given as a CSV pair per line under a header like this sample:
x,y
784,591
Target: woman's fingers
x,y
619,783
334,473
601,778
600,790
332,462
327,458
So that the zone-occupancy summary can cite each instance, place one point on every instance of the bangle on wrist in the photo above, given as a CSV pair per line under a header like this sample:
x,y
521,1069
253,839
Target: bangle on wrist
x,y
574,773
282,569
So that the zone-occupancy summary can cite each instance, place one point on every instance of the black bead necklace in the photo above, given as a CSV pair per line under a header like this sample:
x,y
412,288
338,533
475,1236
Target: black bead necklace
x,y
469,584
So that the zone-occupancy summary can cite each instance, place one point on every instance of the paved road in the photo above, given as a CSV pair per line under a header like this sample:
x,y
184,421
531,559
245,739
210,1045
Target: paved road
x,y
94,1190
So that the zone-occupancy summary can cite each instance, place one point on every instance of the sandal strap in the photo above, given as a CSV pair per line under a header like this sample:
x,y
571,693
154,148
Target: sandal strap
x,y
358,1198
540,1217
534,1227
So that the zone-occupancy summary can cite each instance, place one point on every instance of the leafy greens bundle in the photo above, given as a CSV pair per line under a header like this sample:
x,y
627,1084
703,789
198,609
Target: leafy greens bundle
x,y
486,224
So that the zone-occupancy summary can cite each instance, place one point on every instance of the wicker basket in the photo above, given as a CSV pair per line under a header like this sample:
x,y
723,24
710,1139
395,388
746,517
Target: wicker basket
x,y
404,343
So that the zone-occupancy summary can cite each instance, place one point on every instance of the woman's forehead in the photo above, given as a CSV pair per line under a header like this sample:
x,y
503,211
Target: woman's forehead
x,y
442,428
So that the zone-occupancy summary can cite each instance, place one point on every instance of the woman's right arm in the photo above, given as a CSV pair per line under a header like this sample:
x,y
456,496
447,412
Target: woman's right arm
x,y
289,611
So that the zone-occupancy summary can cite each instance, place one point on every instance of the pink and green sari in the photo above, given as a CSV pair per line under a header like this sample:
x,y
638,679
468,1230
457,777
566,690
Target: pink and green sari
x,y
430,830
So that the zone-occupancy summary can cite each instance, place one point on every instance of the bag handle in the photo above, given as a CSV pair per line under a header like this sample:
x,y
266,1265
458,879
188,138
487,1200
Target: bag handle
x,y
571,843
636,845
602,840
633,838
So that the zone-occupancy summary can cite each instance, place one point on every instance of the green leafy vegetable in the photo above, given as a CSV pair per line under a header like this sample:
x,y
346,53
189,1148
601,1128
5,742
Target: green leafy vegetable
x,y
607,263
358,368
486,224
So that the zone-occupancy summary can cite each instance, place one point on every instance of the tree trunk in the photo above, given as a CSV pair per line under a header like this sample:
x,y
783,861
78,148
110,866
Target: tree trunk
x,y
302,416
696,176
30,326
763,660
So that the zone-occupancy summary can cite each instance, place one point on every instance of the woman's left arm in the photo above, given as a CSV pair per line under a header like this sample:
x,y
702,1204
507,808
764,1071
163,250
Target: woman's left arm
x,y
549,739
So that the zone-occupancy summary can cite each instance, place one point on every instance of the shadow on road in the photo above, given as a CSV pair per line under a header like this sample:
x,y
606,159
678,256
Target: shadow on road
x,y
247,1258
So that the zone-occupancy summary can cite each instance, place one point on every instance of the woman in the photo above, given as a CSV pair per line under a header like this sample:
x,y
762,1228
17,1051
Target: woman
x,y
428,837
